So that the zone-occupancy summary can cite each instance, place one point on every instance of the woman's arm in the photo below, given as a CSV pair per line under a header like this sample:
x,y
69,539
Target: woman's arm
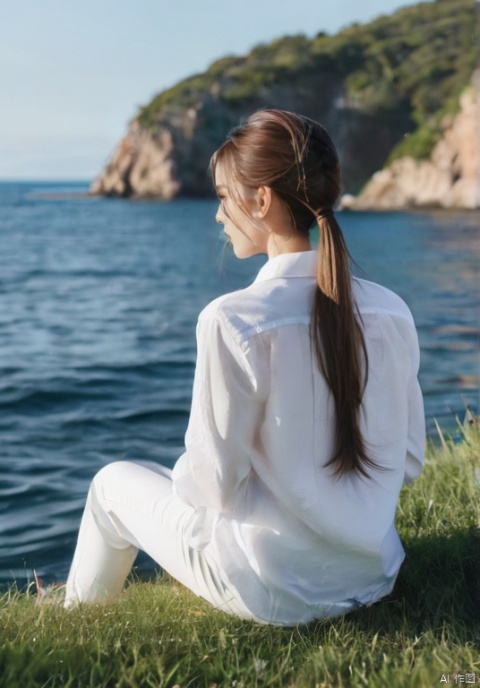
x,y
213,472
416,420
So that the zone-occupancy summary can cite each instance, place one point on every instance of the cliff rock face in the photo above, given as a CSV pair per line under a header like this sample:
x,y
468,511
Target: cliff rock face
x,y
450,178
172,160
141,166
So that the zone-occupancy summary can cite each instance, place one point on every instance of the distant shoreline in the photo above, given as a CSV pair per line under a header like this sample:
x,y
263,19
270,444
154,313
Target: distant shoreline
x,y
69,194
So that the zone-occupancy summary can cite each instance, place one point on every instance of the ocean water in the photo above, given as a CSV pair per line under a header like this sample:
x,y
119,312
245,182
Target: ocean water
x,y
98,306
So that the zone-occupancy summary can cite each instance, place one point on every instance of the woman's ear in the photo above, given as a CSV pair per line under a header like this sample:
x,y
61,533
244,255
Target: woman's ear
x,y
264,201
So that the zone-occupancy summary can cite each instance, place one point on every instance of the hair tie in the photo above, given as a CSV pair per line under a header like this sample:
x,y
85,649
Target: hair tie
x,y
328,212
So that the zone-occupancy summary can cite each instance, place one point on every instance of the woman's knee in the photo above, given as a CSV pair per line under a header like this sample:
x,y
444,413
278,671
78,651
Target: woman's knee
x,y
129,469
114,472
137,483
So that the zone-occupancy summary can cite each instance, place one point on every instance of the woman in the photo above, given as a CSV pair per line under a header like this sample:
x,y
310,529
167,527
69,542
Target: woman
x,y
306,417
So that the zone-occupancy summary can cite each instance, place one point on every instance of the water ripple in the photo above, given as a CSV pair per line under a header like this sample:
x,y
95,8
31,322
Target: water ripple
x,y
98,306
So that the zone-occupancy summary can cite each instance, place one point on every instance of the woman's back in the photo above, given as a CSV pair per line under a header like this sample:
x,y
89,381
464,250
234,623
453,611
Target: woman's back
x,y
312,537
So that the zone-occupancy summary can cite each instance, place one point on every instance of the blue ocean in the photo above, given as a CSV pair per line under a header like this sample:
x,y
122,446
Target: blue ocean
x,y
98,306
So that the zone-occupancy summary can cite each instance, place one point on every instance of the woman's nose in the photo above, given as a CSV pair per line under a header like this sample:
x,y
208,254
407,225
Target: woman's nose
x,y
219,215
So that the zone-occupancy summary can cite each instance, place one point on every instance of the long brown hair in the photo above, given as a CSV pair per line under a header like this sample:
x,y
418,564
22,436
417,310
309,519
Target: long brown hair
x,y
296,158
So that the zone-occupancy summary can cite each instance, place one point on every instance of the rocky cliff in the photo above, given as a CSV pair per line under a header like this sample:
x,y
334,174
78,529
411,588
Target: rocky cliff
x,y
171,158
449,178
370,86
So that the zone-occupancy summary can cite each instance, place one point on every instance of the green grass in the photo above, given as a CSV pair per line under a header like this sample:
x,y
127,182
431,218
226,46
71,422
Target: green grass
x,y
159,634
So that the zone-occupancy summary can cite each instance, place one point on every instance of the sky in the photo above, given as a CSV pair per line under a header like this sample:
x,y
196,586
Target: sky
x,y
73,73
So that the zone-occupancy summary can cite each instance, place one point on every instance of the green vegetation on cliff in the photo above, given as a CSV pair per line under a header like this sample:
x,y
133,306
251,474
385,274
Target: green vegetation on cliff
x,y
407,70
160,635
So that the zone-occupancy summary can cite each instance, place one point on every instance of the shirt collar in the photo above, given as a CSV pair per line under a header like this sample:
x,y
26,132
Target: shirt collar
x,y
303,264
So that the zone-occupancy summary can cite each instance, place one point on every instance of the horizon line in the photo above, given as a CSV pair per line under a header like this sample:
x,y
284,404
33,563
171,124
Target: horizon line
x,y
50,180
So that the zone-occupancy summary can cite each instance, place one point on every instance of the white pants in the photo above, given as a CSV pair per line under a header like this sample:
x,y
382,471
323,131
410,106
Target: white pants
x,y
130,506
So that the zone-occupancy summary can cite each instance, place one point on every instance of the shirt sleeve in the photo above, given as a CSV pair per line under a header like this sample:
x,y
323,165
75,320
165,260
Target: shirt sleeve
x,y
213,472
416,421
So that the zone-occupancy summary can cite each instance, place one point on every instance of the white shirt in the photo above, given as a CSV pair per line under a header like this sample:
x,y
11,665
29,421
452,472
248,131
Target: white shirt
x,y
294,541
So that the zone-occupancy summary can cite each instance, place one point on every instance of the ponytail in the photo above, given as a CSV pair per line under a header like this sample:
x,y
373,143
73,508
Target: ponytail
x,y
340,347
